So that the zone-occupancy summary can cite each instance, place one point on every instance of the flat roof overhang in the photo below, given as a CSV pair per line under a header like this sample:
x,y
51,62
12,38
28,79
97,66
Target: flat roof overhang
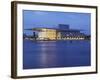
x,y
59,30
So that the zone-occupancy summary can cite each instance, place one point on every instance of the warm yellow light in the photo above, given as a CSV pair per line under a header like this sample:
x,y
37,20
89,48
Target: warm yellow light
x,y
48,34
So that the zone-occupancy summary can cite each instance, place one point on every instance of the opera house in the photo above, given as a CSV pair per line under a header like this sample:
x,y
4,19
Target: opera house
x,y
63,32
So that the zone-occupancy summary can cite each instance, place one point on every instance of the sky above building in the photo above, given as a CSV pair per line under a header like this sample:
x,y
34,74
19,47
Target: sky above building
x,y
51,19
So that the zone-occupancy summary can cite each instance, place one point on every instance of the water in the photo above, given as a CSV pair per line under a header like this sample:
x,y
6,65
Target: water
x,y
51,54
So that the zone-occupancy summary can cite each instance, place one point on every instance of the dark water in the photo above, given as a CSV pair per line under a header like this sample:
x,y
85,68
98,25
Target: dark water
x,y
51,54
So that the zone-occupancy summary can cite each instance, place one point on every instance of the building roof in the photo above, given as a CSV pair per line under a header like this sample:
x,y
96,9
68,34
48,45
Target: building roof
x,y
57,29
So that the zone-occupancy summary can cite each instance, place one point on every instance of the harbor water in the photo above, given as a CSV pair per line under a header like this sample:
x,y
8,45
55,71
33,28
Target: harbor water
x,y
54,54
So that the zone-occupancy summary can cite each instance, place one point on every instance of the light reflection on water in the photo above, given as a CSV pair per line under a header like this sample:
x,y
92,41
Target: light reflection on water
x,y
48,54
47,59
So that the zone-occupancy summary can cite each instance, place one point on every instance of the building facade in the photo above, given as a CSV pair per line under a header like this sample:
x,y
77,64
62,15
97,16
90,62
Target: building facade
x,y
47,34
63,32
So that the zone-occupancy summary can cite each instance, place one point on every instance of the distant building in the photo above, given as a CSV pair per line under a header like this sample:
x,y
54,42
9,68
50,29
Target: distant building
x,y
63,26
63,32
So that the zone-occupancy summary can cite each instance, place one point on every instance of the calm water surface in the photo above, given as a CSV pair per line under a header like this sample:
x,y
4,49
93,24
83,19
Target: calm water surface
x,y
50,54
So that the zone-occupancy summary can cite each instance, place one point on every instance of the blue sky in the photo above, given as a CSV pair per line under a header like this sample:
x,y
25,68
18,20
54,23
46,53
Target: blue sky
x,y
52,19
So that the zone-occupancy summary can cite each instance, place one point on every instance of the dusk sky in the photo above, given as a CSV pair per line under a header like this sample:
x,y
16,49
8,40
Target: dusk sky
x,y
52,19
